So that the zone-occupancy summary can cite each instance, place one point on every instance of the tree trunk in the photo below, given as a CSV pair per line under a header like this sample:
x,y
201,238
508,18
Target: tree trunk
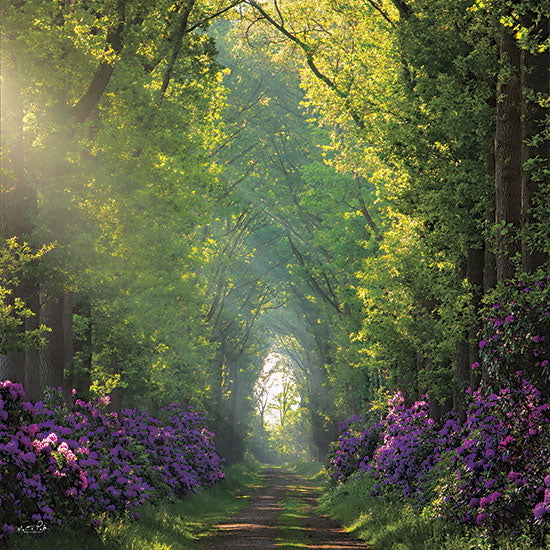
x,y
235,445
52,353
12,366
462,354
435,409
535,80
83,349
33,389
13,200
475,264
68,345
508,159
13,192
115,403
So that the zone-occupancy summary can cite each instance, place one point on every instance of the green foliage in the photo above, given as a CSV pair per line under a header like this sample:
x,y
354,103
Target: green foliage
x,y
304,177
291,441
15,257
514,335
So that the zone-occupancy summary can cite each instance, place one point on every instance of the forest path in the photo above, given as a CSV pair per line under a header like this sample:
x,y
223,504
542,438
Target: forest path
x,y
282,517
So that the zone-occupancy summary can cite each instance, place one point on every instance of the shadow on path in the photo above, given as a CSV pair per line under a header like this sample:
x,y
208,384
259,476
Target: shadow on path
x,y
256,527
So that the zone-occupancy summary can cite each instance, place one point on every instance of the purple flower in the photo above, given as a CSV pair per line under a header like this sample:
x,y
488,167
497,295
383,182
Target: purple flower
x,y
480,519
540,511
489,484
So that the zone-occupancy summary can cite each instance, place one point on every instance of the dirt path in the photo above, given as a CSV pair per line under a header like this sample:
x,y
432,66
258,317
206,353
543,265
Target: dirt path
x,y
259,525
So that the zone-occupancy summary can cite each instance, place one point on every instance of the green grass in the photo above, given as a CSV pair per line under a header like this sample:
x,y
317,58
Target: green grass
x,y
398,526
182,525
289,522
307,470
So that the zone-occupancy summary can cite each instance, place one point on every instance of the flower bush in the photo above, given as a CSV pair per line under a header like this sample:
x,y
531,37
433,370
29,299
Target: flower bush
x,y
493,470
355,447
514,334
59,463
412,445
500,466
179,447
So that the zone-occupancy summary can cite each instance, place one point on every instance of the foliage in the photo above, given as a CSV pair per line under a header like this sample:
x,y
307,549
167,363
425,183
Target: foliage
x,y
166,525
14,257
355,447
291,441
514,335
314,178
499,469
386,524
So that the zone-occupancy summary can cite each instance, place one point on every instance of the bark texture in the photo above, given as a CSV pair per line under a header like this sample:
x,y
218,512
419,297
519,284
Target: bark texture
x,y
508,151
535,81
52,356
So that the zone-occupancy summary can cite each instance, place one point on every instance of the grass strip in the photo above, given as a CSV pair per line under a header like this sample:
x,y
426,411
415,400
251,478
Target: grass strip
x,y
289,523
306,478
181,525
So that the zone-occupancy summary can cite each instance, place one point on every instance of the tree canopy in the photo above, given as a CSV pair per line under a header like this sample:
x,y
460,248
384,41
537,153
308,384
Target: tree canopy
x,y
188,187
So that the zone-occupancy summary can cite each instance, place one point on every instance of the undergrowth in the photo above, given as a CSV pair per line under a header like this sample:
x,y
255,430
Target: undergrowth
x,y
398,525
181,525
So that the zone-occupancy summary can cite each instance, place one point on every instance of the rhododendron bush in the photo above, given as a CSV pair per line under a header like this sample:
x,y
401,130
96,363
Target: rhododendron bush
x,y
354,447
491,471
59,463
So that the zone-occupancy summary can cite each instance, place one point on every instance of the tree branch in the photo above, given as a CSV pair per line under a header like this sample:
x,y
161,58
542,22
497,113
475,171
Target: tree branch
x,y
214,15
381,12
308,52
182,30
87,103
365,212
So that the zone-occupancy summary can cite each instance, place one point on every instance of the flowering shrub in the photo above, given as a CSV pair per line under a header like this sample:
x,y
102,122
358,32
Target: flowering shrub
x,y
492,471
408,437
514,335
501,463
179,448
354,448
58,463
195,441
398,452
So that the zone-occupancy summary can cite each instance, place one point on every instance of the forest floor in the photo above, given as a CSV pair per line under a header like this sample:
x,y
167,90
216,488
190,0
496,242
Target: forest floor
x,y
282,516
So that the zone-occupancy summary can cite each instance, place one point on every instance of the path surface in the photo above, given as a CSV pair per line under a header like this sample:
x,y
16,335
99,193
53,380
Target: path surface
x,y
257,526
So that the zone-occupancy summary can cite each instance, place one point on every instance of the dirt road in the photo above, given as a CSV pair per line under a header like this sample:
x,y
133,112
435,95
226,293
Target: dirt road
x,y
282,516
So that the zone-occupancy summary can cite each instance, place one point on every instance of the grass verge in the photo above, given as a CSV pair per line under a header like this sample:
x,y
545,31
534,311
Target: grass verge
x,y
182,525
